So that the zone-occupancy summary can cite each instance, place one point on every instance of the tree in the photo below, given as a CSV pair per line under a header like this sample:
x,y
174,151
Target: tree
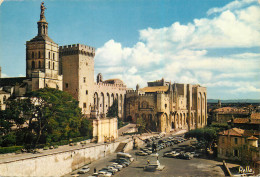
x,y
208,134
56,115
140,124
113,110
51,115
86,128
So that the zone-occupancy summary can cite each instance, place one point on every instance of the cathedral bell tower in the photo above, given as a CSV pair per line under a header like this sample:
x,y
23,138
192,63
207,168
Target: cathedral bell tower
x,y
42,24
42,58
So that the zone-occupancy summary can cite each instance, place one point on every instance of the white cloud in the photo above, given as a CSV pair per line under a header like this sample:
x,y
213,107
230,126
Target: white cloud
x,y
232,5
111,54
183,52
132,70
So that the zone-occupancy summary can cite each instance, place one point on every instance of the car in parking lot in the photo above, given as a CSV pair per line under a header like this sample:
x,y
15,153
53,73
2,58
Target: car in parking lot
x,y
84,170
107,170
141,153
117,166
123,161
104,174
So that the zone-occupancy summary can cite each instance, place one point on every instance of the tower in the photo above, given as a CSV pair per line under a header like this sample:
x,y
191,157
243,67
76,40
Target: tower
x,y
77,63
42,58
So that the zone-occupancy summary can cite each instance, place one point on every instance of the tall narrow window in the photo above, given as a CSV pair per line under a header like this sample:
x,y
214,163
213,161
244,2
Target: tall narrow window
x,y
84,79
33,64
4,100
53,56
53,65
49,55
32,54
49,65
39,54
235,140
39,64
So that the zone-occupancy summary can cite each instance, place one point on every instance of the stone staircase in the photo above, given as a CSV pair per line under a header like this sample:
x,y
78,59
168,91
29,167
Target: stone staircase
x,y
121,147
148,130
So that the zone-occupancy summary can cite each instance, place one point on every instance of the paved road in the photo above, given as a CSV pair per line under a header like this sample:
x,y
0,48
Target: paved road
x,y
173,167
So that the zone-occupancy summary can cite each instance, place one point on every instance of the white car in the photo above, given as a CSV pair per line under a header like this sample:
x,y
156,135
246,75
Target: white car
x,y
116,167
104,174
84,170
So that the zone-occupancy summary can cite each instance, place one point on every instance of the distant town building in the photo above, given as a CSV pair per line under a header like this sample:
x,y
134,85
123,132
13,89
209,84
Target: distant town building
x,y
250,123
166,107
239,144
224,114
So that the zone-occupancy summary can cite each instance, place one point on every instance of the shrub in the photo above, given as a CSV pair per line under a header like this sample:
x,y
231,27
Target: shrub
x,y
4,150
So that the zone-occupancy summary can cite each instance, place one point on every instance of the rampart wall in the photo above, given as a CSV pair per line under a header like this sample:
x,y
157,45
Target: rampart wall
x,y
56,164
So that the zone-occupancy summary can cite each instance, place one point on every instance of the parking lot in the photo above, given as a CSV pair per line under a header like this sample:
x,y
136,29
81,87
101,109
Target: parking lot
x,y
200,166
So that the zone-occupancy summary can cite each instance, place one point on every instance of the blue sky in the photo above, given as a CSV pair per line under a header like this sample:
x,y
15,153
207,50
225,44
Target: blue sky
x,y
208,42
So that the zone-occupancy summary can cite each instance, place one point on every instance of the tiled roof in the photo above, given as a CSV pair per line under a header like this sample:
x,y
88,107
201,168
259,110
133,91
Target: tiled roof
x,y
246,121
240,132
255,115
231,110
252,138
155,89
233,132
114,81
240,120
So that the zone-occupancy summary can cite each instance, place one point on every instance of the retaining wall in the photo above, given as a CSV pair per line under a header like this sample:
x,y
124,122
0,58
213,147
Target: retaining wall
x,y
56,164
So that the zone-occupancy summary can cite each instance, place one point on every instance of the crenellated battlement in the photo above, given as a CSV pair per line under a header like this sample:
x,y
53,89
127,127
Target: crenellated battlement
x,y
77,49
131,91
146,95
111,85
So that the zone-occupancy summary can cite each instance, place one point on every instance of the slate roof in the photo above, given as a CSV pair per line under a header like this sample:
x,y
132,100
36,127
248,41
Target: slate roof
x,y
42,38
12,81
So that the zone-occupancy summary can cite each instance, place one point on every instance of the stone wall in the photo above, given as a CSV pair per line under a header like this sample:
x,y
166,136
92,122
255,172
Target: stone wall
x,y
56,164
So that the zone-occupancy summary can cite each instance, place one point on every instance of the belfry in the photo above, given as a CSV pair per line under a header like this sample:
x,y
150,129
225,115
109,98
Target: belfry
x,y
42,58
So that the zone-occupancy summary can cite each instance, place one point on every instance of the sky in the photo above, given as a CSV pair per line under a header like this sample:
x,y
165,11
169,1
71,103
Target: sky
x,y
214,43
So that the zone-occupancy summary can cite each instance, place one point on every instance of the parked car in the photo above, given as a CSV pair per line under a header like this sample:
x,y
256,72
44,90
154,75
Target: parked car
x,y
104,174
141,153
112,171
123,162
118,166
84,170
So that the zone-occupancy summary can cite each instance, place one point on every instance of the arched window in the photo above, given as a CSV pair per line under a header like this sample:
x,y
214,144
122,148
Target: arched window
x,y
49,65
33,64
53,56
39,54
39,64
53,65
32,54
49,55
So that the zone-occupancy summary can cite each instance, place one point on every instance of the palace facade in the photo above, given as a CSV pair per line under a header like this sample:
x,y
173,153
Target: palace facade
x,y
164,106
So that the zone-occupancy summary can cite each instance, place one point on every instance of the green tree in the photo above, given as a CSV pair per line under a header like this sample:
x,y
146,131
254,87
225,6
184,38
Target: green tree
x,y
86,128
56,115
113,110
140,124
51,115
